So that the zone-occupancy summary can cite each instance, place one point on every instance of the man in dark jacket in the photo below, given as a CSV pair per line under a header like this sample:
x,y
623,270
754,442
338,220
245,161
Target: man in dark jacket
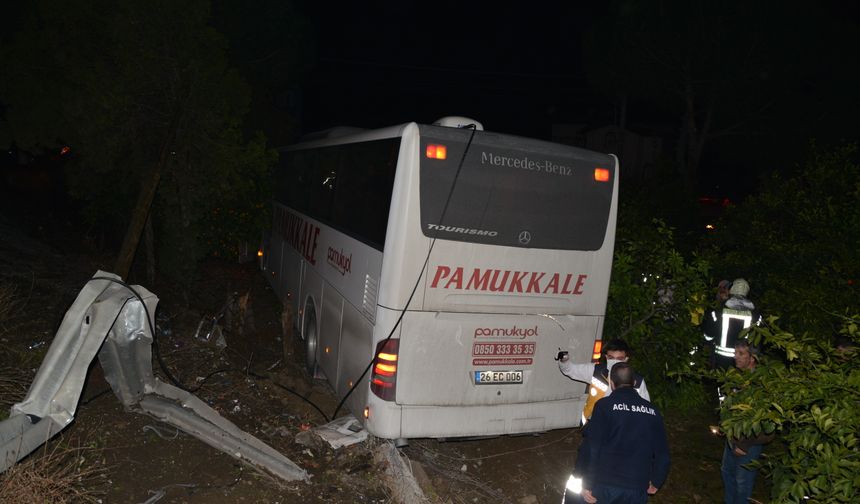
x,y
738,475
624,456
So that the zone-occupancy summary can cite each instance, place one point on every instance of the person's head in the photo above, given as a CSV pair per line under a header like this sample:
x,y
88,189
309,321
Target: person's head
x,y
723,290
616,350
621,376
745,355
844,346
740,287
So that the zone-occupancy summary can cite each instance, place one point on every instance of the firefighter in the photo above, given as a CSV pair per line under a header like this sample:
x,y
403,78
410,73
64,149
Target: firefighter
x,y
624,456
597,375
723,291
723,325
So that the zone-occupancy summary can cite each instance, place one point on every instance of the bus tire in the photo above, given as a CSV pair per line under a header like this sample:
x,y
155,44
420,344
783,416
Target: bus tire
x,y
311,337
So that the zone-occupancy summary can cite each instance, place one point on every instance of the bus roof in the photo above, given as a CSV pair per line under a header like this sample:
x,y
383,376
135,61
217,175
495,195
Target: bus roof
x,y
349,134
355,135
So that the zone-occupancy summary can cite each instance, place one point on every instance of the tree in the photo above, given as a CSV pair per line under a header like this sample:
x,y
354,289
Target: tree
x,y
714,68
797,241
271,45
655,295
144,95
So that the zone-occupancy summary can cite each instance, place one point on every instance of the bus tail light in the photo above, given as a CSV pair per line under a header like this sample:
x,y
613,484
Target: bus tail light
x,y
436,151
601,174
383,380
596,350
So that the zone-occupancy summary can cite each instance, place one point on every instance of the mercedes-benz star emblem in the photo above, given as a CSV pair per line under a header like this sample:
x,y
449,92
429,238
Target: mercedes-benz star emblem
x,y
525,237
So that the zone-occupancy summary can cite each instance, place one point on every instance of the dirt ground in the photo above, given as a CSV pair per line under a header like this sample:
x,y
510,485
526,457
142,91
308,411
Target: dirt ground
x,y
259,383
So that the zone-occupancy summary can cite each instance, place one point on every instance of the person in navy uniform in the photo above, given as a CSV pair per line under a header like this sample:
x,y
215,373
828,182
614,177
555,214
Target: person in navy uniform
x,y
624,456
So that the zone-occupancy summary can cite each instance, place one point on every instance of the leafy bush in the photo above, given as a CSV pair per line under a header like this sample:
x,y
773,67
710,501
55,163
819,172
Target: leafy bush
x,y
809,395
654,295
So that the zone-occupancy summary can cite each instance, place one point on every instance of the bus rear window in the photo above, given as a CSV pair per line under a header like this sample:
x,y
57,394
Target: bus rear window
x,y
515,192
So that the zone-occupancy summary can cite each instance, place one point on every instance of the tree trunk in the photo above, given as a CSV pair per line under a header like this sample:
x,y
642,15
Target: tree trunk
x,y
692,139
141,211
622,119
150,251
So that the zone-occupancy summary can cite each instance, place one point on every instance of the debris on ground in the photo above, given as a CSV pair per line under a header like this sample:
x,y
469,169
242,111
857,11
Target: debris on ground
x,y
343,431
398,475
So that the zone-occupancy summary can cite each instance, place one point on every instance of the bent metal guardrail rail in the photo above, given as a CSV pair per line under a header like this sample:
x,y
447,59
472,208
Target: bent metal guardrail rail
x,y
110,312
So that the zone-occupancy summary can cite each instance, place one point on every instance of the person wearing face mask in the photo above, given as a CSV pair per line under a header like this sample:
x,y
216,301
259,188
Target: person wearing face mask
x,y
597,375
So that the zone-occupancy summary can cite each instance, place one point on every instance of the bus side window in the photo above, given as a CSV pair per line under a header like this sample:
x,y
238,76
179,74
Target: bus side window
x,y
321,184
364,186
293,179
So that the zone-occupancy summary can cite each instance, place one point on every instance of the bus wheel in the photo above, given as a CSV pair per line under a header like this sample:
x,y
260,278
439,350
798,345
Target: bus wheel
x,y
311,343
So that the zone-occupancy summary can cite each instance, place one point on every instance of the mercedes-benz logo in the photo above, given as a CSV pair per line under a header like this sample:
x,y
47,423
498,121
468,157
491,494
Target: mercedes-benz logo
x,y
525,237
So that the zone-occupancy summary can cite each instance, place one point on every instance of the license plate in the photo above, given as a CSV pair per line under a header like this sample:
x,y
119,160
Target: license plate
x,y
498,377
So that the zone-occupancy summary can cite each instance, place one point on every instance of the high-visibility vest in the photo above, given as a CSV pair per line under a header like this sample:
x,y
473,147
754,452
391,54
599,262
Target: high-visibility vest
x,y
598,388
731,323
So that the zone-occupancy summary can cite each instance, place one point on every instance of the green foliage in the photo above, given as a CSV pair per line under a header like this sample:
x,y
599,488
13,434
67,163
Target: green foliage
x,y
123,82
809,395
654,297
797,242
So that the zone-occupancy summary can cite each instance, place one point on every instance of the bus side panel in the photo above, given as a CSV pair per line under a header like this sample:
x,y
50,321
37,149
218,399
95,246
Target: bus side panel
x,y
290,286
405,246
329,320
356,351
311,298
273,259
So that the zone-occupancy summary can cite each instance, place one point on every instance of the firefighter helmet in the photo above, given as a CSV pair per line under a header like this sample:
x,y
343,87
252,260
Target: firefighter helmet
x,y
740,287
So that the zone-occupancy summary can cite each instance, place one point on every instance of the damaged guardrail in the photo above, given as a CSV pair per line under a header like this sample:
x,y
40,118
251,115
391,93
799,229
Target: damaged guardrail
x,y
107,311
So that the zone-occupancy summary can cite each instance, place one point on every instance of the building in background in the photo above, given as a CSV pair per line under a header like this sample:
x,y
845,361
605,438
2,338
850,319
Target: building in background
x,y
638,154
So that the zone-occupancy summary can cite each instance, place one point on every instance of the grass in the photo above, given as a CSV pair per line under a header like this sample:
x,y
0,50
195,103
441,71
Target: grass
x,y
62,473
8,303
13,385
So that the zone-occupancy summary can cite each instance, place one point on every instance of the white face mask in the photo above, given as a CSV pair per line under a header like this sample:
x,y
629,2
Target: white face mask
x,y
610,363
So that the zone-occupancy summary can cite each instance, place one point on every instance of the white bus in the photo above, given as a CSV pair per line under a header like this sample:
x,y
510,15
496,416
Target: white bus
x,y
457,260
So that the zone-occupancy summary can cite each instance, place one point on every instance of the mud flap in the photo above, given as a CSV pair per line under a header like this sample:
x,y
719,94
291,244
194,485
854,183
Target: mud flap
x,y
107,309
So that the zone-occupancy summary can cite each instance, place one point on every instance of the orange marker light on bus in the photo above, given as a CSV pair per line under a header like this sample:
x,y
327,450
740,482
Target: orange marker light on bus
x,y
596,350
435,151
601,174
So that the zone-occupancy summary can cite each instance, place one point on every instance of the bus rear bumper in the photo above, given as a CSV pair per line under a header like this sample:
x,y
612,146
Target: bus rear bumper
x,y
483,420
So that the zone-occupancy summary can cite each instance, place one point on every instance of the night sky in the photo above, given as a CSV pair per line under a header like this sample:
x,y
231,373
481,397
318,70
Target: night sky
x,y
519,69
514,69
